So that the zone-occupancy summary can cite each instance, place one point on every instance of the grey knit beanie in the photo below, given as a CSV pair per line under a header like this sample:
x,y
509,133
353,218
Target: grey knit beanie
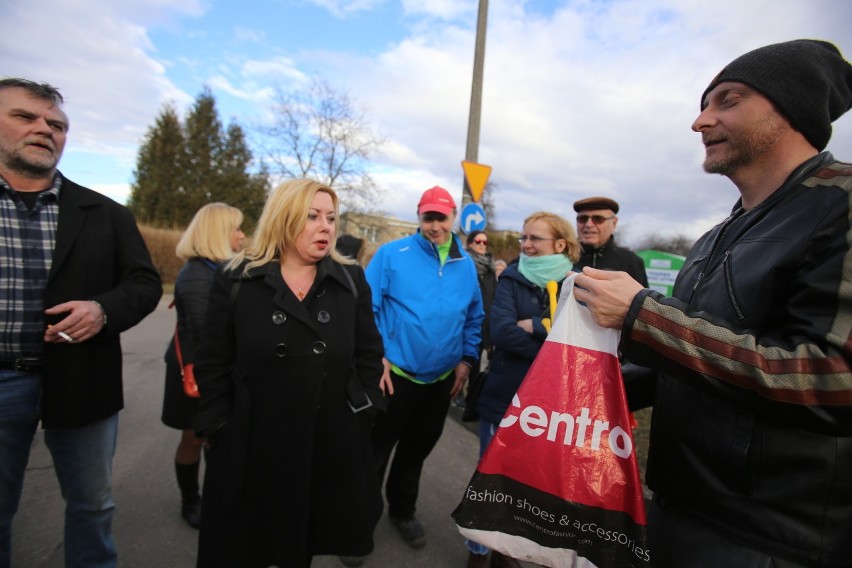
x,y
808,80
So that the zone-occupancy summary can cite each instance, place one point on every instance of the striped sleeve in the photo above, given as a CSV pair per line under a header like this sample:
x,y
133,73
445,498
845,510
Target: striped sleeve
x,y
799,367
808,373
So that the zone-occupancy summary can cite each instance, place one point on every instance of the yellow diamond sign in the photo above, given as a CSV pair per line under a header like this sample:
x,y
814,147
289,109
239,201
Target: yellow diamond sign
x,y
477,177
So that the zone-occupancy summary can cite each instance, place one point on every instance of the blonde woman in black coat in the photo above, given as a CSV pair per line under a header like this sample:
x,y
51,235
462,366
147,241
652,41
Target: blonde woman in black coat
x,y
213,236
289,364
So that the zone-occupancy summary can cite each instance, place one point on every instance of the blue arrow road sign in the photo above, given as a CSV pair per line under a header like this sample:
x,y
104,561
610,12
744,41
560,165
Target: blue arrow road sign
x,y
472,218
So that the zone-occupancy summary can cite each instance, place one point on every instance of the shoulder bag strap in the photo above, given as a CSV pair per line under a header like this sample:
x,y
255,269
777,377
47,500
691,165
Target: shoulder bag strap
x,y
358,399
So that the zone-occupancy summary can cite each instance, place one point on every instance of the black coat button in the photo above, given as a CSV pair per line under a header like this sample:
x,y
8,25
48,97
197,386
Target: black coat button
x,y
319,347
278,318
320,292
323,317
281,350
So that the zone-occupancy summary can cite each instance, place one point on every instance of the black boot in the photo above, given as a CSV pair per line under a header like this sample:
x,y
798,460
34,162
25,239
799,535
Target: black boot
x,y
187,478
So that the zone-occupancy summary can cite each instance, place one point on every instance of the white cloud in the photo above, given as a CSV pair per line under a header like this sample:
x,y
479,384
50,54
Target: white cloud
x,y
117,191
101,62
343,8
441,9
275,68
249,34
221,84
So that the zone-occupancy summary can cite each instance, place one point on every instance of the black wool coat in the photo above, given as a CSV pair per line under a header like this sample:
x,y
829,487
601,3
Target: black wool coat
x,y
613,257
191,296
290,472
99,255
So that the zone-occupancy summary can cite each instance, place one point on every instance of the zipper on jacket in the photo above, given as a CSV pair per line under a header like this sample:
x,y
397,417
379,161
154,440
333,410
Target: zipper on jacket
x,y
438,258
729,285
716,242
698,278
437,255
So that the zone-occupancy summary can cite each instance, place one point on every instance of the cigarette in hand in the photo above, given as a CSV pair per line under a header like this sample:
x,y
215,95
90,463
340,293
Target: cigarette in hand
x,y
65,336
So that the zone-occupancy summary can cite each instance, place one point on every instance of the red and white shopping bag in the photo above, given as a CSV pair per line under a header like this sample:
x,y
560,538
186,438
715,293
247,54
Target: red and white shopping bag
x,y
559,483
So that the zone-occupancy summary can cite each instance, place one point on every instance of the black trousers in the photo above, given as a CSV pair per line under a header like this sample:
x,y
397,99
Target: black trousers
x,y
679,539
413,424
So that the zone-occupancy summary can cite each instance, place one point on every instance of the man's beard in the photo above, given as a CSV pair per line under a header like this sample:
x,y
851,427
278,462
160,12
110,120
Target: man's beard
x,y
27,168
745,147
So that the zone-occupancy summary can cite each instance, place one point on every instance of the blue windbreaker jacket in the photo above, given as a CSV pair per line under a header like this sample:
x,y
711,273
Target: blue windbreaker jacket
x,y
430,316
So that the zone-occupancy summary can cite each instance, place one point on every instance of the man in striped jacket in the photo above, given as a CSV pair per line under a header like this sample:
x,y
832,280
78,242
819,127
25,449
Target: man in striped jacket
x,y
751,443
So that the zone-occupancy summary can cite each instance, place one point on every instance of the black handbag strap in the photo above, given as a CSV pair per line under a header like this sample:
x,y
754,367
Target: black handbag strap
x,y
358,398
178,351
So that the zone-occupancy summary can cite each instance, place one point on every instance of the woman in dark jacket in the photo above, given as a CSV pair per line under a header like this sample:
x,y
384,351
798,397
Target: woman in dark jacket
x,y
288,362
549,247
213,236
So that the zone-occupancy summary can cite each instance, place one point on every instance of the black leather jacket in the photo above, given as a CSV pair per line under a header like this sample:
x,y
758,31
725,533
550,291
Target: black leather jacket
x,y
752,426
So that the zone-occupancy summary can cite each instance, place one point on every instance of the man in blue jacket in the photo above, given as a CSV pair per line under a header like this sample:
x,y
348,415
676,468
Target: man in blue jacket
x,y
429,312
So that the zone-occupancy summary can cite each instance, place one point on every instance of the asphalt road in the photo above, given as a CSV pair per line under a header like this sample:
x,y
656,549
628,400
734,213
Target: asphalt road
x,y
149,531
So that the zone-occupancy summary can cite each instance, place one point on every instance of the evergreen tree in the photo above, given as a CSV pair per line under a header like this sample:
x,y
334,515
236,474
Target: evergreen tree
x,y
159,174
179,173
204,147
237,187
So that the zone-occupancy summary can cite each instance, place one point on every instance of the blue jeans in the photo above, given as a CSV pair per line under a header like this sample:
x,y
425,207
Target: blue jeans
x,y
486,432
82,458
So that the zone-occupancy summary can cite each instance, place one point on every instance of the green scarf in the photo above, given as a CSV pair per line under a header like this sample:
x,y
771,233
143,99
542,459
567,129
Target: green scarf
x,y
541,269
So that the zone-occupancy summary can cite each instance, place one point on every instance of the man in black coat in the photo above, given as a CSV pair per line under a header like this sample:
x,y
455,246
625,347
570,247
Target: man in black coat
x,y
74,274
596,221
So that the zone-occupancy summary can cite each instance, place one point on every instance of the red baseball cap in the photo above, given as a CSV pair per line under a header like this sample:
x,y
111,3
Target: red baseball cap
x,y
437,200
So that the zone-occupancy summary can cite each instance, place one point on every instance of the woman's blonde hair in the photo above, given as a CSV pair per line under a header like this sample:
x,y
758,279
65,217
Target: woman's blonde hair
x,y
209,233
284,216
561,229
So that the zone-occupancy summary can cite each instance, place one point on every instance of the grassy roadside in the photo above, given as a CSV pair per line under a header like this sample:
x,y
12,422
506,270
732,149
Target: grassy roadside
x,y
161,244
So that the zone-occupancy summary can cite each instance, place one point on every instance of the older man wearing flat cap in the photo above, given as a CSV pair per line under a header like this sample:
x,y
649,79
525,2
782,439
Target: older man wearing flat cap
x,y
596,221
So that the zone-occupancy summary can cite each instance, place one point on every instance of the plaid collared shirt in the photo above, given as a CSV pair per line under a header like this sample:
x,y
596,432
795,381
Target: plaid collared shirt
x,y
27,239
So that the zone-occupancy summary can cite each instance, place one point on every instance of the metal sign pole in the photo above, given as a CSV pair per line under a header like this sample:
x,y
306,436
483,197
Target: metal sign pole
x,y
472,149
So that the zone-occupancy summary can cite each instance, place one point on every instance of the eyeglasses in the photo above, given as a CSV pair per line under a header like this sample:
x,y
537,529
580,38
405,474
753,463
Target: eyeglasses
x,y
431,217
533,238
480,241
596,219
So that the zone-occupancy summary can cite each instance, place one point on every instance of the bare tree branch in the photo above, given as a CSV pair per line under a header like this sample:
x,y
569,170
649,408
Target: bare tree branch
x,y
319,133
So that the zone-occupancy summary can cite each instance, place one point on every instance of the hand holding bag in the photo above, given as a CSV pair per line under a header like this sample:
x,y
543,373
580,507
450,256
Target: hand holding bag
x,y
559,483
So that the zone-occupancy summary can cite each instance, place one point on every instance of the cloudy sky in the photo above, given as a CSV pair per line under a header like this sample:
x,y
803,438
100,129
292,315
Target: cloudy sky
x,y
580,97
